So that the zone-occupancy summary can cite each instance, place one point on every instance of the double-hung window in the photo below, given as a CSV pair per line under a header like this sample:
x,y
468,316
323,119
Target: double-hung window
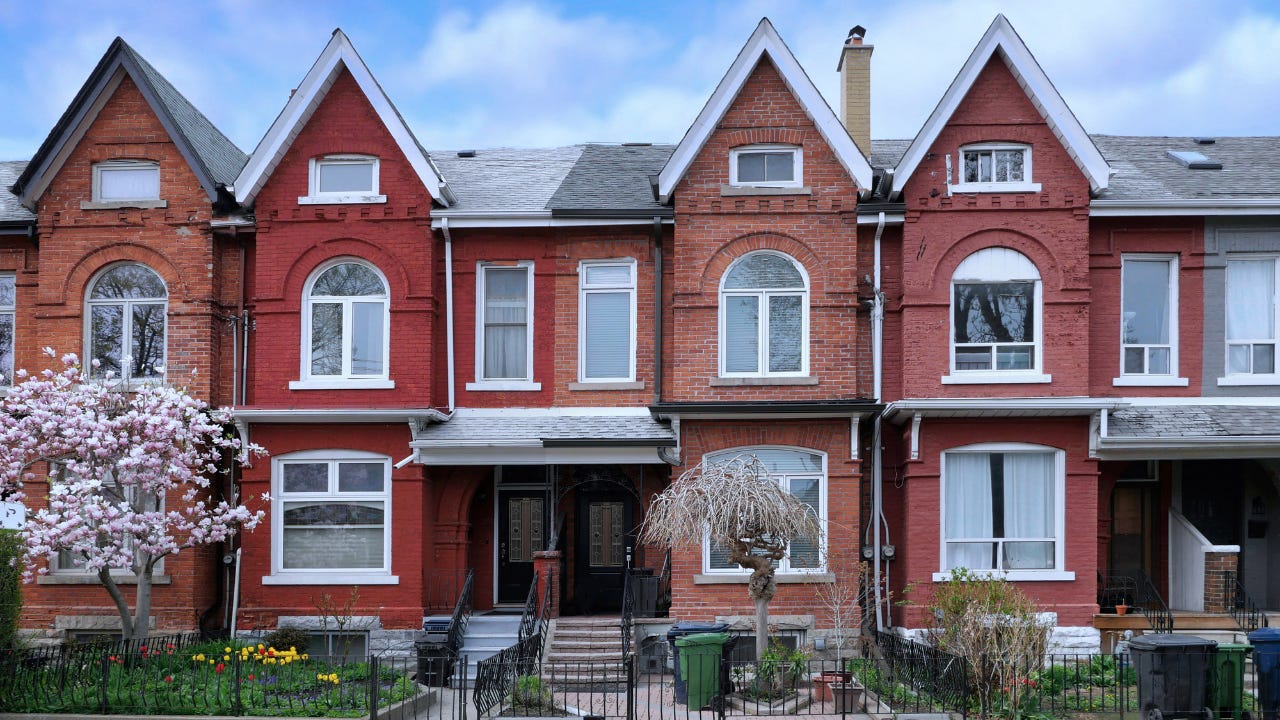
x,y
995,167
1148,319
766,166
126,330
504,340
764,317
8,308
1003,510
346,326
803,473
331,516
343,179
607,321
995,319
1252,318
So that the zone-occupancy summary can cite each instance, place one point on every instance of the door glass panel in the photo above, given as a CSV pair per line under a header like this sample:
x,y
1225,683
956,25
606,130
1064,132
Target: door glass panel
x,y
606,534
524,528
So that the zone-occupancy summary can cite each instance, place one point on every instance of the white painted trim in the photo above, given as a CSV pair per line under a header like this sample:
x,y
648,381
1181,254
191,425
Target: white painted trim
x,y
631,288
341,199
336,415
339,53
995,186
313,176
916,420
132,165
1003,39
762,329
343,577
992,377
1014,575
504,386
1252,401
1082,405
529,455
345,378
797,165
482,382
991,265
1151,381
544,412
764,40
352,384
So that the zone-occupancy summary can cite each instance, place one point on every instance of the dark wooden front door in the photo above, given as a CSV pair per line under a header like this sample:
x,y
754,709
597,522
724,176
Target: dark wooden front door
x,y
522,530
1132,527
604,529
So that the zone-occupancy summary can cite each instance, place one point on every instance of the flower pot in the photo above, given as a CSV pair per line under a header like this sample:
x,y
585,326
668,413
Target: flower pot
x,y
848,696
1122,609
822,683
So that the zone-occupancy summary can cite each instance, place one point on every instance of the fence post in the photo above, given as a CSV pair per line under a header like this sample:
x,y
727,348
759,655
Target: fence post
x,y
373,687
106,669
237,703
629,665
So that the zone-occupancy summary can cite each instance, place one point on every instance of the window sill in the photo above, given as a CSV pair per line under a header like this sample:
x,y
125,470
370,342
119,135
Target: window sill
x,y
1150,381
499,385
620,385
995,187
751,190
1014,575
87,579
995,378
121,204
742,578
341,199
342,384
752,381
334,578
1247,380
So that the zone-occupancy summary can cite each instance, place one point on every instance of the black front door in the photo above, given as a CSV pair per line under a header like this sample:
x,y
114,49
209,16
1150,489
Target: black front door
x,y
604,529
521,531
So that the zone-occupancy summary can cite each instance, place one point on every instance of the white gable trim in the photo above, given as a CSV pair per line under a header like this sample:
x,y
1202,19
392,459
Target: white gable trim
x,y
339,53
1002,38
765,40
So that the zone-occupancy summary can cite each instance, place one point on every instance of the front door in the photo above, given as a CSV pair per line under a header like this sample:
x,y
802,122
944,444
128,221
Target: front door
x,y
604,530
1132,527
521,532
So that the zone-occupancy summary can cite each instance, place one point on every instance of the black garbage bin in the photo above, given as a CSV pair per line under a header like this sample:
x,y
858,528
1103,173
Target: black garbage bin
x,y
435,659
1173,675
679,630
644,592
1266,658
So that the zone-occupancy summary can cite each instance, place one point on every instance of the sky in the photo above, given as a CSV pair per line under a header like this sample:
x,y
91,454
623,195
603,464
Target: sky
x,y
534,73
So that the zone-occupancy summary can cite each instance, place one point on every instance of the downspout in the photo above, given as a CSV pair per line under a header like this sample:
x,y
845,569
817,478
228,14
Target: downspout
x,y
448,306
877,461
657,311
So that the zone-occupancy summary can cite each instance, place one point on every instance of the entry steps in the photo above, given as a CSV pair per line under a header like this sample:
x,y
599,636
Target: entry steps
x,y
486,636
584,649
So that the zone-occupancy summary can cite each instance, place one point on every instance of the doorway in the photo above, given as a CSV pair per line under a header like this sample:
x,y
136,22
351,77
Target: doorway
x,y
521,530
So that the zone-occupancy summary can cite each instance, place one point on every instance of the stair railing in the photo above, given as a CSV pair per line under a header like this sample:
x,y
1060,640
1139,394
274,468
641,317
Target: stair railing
x,y
1135,589
529,618
496,675
1246,612
628,608
461,613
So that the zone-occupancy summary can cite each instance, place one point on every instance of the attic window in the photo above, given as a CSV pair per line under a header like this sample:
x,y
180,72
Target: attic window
x,y
343,179
766,166
1193,160
995,167
118,183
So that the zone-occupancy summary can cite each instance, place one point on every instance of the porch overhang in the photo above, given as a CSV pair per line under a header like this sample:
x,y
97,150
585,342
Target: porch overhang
x,y
765,410
1205,431
900,411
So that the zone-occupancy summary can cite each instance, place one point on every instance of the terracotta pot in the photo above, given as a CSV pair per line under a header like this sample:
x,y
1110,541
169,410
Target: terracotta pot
x,y
1122,609
848,696
822,683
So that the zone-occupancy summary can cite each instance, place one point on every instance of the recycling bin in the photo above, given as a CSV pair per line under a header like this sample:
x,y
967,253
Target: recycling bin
x,y
682,629
701,657
1173,675
1226,692
435,659
1266,659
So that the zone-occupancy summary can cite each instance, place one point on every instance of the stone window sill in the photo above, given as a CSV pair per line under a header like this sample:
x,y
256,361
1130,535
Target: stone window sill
x,y
995,378
342,384
749,191
1014,575
753,381
122,204
345,578
587,386
743,577
87,579
500,385
1150,381
342,199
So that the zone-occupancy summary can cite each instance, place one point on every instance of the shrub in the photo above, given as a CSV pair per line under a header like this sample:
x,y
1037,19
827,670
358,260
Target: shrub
x,y
286,638
11,550
530,692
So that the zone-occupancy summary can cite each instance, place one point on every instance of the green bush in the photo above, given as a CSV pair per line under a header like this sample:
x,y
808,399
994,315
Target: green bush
x,y
286,638
11,549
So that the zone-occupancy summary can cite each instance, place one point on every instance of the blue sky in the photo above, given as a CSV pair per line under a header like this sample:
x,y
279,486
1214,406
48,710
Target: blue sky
x,y
534,73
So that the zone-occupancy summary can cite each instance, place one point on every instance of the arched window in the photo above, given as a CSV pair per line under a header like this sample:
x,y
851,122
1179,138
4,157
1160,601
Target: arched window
x,y
127,306
347,323
804,474
995,311
764,316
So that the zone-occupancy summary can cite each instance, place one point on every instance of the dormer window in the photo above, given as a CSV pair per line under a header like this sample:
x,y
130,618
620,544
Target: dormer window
x,y
766,166
992,167
125,183
343,179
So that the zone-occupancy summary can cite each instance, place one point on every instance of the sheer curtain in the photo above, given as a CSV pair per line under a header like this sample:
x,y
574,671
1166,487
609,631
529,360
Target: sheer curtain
x,y
968,497
1028,510
506,318
1250,293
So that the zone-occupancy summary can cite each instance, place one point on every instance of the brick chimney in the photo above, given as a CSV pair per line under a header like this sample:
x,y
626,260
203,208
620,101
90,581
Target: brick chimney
x,y
855,88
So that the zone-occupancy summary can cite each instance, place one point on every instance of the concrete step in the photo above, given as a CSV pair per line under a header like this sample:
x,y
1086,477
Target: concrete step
x,y
585,645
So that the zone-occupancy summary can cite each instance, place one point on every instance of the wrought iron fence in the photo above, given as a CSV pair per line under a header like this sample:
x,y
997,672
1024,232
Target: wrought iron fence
x,y
445,588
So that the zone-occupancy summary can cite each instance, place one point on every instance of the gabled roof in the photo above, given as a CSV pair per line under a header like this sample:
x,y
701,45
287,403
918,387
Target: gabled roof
x,y
11,210
765,41
612,178
213,158
1003,39
338,54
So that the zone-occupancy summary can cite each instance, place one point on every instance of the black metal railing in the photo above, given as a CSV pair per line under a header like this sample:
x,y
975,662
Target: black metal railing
x,y
445,588
1135,589
1244,609
529,618
628,608
461,613
1152,605
498,676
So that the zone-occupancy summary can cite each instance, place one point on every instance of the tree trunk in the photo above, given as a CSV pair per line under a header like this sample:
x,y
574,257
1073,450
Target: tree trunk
x,y
142,611
122,606
762,627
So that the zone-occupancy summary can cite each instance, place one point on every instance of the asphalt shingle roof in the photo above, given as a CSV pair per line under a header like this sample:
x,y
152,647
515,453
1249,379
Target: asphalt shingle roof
x,y
506,179
1157,421
612,177
549,429
1144,170
11,210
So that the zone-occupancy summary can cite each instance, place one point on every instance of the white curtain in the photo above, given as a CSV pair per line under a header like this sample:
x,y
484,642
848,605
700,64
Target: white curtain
x,y
140,183
1250,299
506,320
1028,510
967,478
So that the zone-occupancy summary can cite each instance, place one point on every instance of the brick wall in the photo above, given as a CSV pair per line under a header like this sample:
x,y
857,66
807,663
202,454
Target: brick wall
x,y
1219,580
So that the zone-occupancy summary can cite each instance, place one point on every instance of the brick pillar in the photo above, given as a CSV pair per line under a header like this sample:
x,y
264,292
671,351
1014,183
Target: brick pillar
x,y
547,563
1219,572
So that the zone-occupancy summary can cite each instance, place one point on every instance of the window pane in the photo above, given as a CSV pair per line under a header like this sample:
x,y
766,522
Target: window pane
x,y
1146,302
971,167
968,496
971,555
147,349
348,279
361,477
607,275
994,312
506,332
607,335
1016,158
780,167
8,291
1028,556
785,333
1134,360
130,282
1028,495
804,552
779,461
326,339
128,183
1264,359
742,334
305,477
106,338
333,535
764,271
1014,358
1158,361
1238,357
1251,300
972,358
339,177
6,349
984,167
751,167
367,340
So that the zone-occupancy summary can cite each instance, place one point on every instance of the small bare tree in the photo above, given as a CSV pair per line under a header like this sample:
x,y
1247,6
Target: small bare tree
x,y
841,596
739,506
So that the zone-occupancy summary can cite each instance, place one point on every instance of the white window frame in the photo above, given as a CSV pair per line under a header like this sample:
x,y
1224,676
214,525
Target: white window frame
x,y
333,576
585,289
11,311
797,165
1169,379
784,565
1059,571
126,332
987,272
762,330
483,383
1024,185
315,197
345,379
128,165
1247,379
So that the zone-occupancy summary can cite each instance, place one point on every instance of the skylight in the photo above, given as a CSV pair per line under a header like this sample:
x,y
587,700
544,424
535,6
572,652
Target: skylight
x,y
1194,160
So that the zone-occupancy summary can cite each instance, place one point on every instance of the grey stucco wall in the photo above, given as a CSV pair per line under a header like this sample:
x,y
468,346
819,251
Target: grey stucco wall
x,y
1223,237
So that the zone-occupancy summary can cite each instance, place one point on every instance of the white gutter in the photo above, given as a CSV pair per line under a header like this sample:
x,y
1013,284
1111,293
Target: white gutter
x,y
1129,208
235,596
1018,406
527,218
448,306
877,315
877,348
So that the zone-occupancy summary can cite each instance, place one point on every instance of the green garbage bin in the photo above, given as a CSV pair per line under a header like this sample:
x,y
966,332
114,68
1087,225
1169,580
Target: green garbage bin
x,y
1226,692
700,666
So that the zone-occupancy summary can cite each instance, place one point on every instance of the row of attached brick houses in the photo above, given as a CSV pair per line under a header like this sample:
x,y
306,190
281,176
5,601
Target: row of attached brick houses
x,y
1005,344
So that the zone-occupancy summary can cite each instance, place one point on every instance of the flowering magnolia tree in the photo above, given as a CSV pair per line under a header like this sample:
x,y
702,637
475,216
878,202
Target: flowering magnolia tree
x,y
129,471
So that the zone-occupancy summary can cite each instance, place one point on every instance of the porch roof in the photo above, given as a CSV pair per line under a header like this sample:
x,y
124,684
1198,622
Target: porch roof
x,y
524,436
1191,431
